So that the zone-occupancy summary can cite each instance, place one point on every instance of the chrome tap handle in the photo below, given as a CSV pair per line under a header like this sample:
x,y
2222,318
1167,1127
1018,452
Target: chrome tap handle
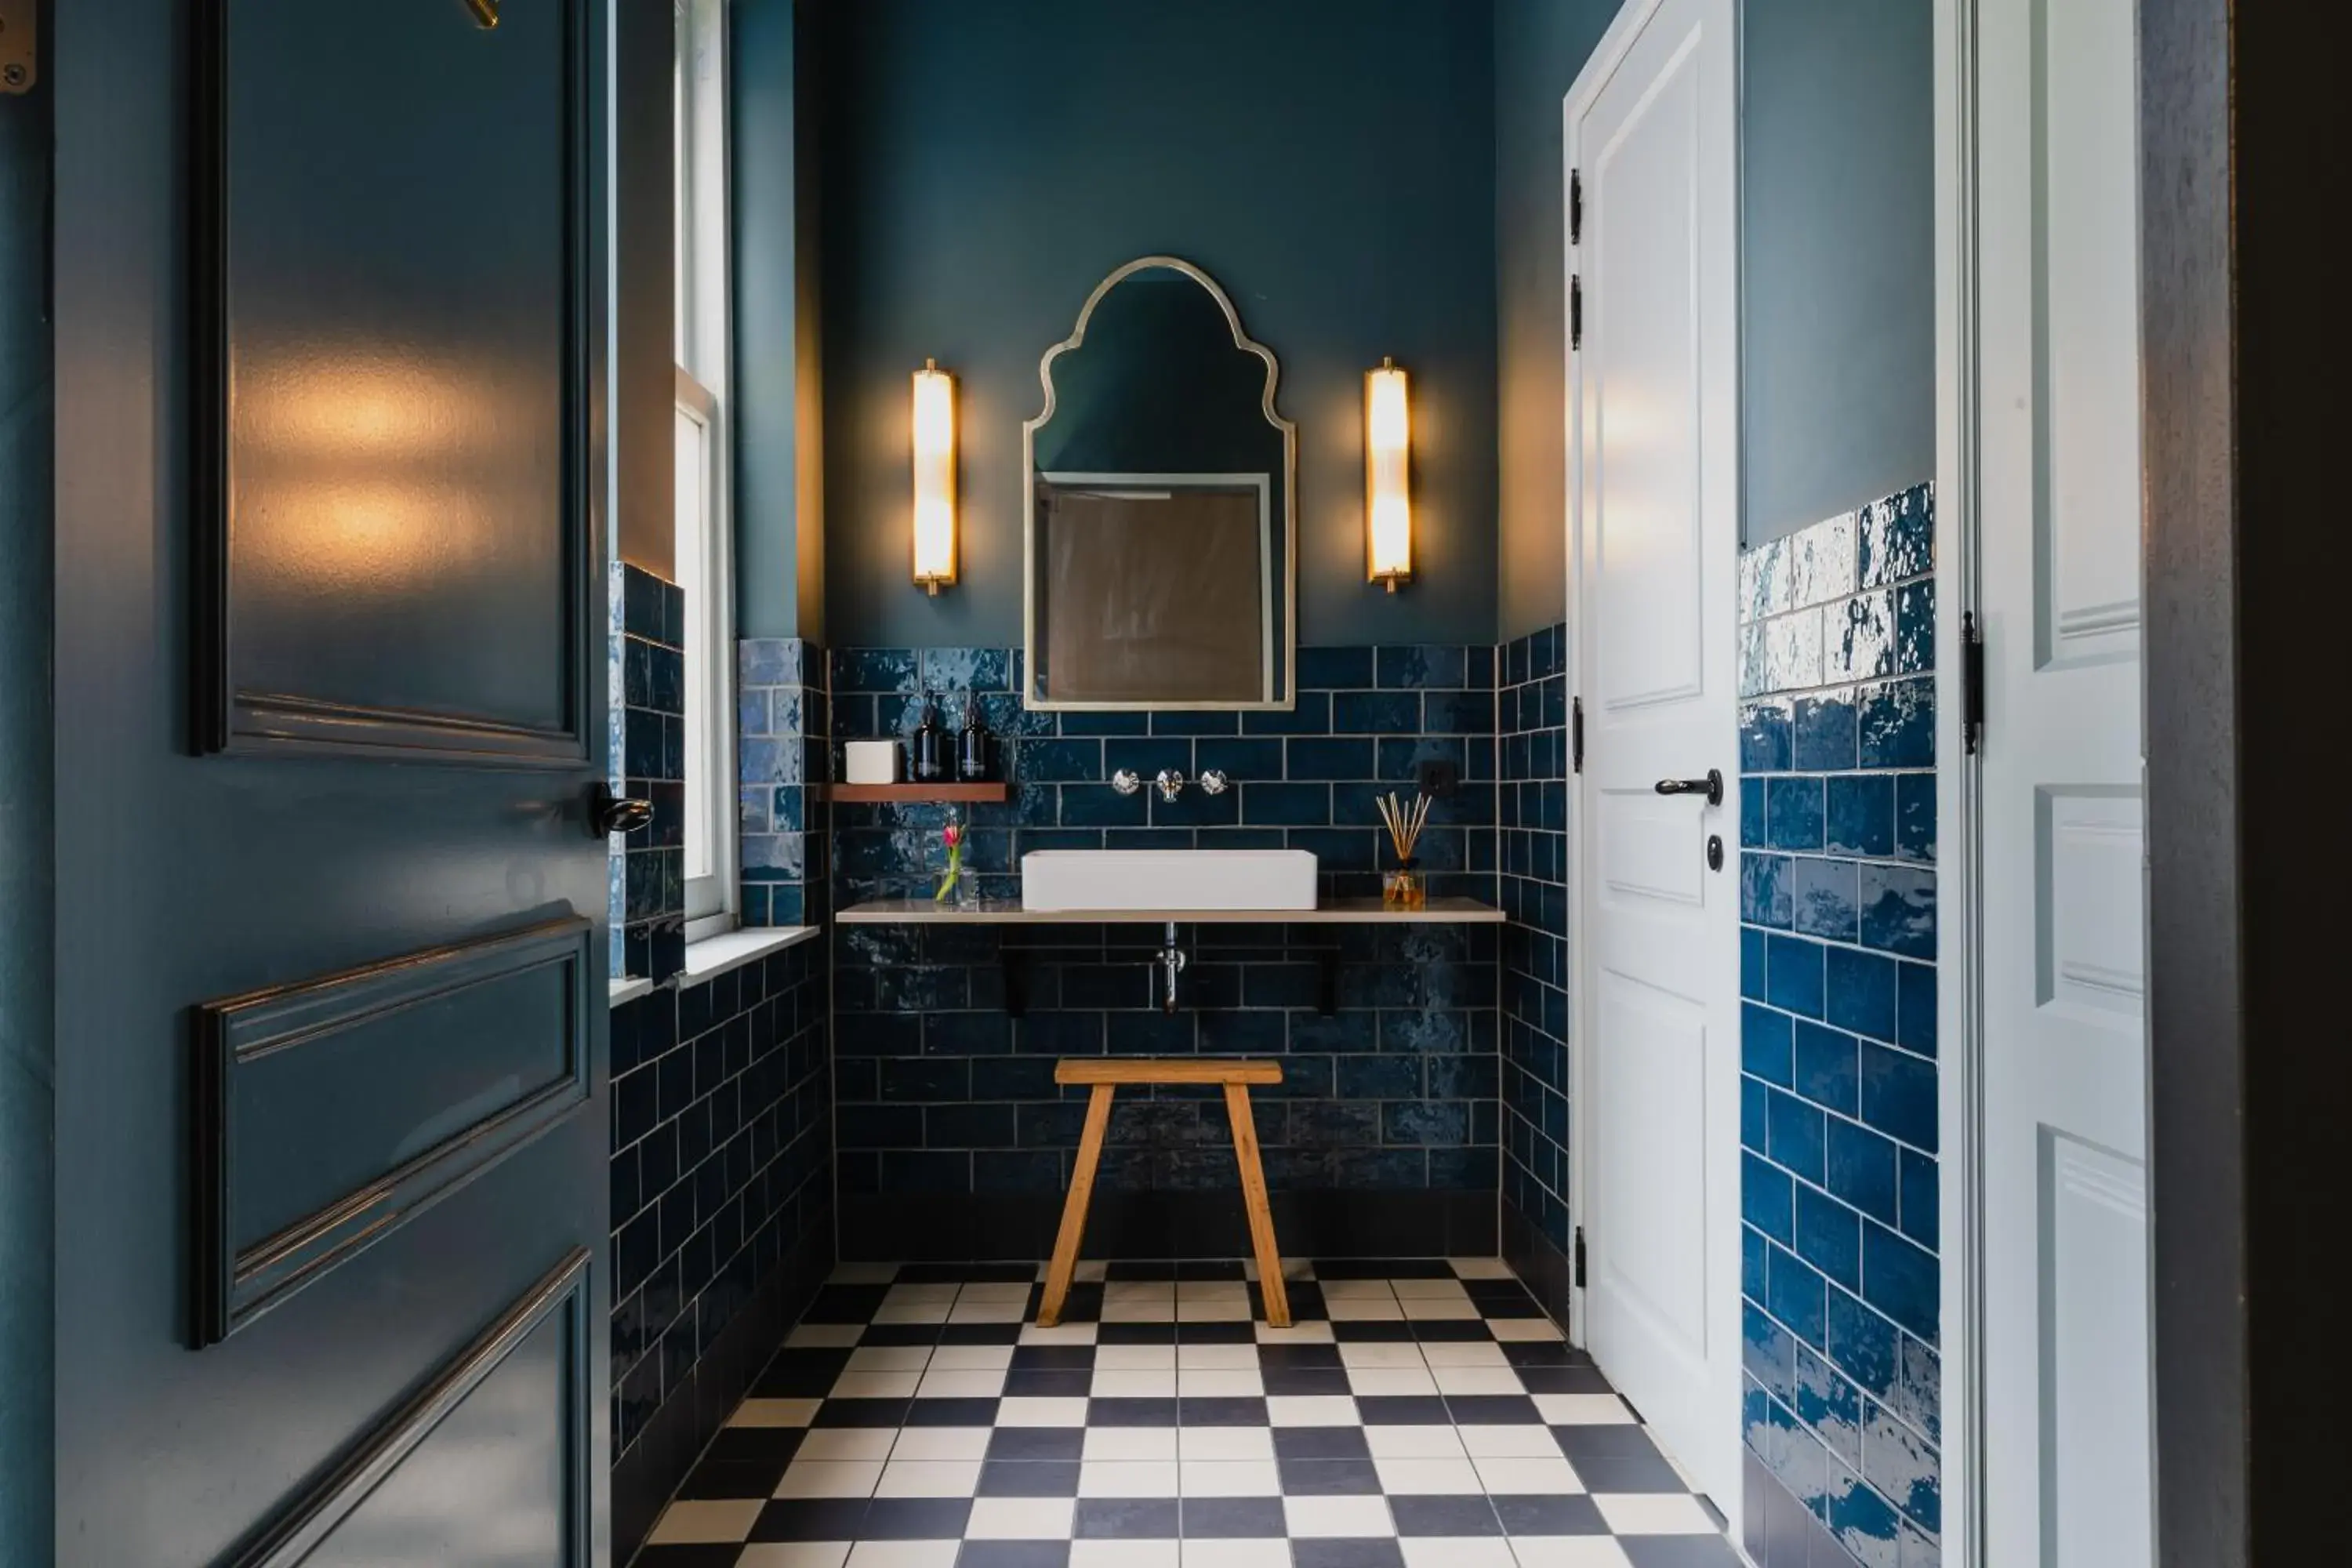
x,y
1214,781
1126,782
1170,783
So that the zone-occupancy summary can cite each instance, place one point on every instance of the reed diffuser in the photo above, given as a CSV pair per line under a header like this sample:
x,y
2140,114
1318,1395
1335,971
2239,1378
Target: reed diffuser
x,y
1403,887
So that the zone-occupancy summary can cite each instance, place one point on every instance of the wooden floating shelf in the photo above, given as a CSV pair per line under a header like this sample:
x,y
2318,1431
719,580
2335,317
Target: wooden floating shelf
x,y
1333,911
921,793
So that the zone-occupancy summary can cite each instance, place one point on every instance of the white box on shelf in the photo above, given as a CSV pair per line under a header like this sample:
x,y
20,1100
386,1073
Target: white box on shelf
x,y
872,763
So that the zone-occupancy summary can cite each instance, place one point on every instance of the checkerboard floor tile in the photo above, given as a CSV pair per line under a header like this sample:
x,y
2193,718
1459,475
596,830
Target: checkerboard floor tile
x,y
1418,1414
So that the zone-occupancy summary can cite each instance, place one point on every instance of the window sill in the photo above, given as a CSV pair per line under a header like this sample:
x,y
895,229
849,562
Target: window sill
x,y
715,955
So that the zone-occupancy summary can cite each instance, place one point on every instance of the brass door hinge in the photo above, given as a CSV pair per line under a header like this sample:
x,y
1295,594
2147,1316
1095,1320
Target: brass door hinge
x,y
20,45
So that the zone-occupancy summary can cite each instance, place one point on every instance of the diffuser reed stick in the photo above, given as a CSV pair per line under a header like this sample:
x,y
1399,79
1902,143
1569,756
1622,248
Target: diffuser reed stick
x,y
1403,889
1404,822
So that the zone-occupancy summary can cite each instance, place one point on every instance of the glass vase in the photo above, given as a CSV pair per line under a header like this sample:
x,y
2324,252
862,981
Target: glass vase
x,y
1405,888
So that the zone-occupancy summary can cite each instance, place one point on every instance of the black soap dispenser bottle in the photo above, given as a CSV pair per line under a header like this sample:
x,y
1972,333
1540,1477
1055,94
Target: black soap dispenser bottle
x,y
931,744
972,746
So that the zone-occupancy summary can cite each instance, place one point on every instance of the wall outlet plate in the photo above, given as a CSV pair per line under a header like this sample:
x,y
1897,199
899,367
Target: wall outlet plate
x,y
20,45
1438,777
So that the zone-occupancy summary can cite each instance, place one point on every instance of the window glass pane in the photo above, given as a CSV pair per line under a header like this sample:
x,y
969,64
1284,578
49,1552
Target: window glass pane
x,y
693,515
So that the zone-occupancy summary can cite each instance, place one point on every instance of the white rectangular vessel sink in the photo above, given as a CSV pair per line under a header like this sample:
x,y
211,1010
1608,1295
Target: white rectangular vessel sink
x,y
1186,881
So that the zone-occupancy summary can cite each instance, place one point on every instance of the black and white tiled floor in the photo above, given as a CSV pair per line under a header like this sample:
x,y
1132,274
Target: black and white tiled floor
x,y
1416,1415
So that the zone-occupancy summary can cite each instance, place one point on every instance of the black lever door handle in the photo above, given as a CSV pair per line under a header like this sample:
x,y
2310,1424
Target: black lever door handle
x,y
1710,786
608,813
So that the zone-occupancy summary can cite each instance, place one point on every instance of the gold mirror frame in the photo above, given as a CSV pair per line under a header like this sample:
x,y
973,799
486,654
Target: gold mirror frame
x,y
1286,698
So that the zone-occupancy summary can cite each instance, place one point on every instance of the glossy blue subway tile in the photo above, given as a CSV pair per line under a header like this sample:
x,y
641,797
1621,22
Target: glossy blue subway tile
x,y
1822,898
1063,760
1827,732
1376,712
1190,723
1458,712
1420,666
1828,1403
1860,815
1751,811
1914,628
1239,758
1863,1171
1904,1467
1797,1294
1794,1135
1897,537
1335,669
1865,1344
1767,1045
1827,1067
1898,1095
1768,1199
1860,1520
1767,736
1793,813
878,669
1754,1098
1898,724
1900,1280
1764,890
1753,951
1915,817
1828,1238
1328,758
1794,975
1860,991
1859,638
1916,1396
1898,910
1915,1010
953,671
1755,1258
1920,1187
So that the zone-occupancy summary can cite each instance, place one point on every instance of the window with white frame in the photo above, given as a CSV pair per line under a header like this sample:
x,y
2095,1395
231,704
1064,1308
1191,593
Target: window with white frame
x,y
705,536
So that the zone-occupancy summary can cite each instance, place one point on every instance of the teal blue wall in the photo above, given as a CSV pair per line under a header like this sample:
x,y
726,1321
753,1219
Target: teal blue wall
x,y
1837,212
1330,162
1838,264
27,910
1540,46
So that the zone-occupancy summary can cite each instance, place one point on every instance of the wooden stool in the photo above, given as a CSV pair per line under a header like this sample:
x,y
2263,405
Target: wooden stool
x,y
1106,1075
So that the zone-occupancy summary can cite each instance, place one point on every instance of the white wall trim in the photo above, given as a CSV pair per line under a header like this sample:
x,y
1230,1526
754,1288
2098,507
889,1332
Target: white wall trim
x,y
1958,1027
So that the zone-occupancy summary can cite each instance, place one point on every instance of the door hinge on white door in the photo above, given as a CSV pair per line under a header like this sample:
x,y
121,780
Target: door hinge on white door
x,y
1972,683
1576,206
1580,1258
1575,310
1576,732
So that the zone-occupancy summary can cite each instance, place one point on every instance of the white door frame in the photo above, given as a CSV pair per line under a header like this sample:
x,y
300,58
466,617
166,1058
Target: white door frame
x,y
1722,348
1960,811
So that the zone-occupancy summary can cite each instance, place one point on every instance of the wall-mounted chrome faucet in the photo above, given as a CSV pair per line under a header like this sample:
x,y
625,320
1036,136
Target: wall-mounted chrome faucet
x,y
1127,781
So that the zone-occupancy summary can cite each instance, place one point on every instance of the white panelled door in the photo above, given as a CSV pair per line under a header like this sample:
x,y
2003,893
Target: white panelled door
x,y
2064,1211
1653,128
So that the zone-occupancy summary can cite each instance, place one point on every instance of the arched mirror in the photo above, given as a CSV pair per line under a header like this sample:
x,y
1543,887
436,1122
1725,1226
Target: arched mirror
x,y
1161,534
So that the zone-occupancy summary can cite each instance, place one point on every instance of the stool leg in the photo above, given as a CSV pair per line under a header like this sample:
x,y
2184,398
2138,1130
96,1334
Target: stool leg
x,y
1074,1210
1261,1213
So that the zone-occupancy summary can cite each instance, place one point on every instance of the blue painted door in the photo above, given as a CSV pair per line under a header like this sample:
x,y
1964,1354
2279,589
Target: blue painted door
x,y
331,988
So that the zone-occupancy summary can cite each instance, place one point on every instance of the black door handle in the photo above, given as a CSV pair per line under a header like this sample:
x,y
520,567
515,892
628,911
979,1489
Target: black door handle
x,y
1710,786
608,813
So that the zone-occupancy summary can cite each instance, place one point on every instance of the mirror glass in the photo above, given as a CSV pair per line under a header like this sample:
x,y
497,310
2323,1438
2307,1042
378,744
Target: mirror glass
x,y
1161,516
